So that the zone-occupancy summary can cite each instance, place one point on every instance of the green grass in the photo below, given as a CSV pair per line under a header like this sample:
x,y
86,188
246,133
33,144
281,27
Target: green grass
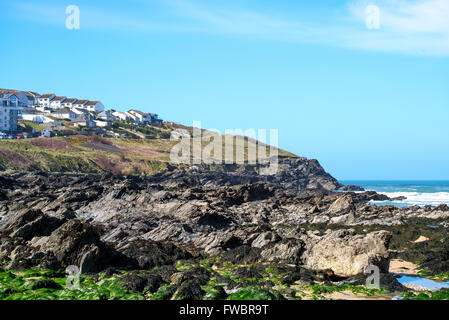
x,y
328,289
427,295
137,156
29,125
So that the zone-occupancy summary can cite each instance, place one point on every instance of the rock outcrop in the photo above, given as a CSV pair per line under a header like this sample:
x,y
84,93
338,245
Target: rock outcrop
x,y
100,221
348,254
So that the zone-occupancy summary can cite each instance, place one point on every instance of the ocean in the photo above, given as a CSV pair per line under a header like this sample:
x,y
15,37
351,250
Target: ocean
x,y
419,193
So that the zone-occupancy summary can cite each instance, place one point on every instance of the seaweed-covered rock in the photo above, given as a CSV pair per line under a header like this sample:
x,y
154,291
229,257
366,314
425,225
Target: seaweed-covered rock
x,y
190,290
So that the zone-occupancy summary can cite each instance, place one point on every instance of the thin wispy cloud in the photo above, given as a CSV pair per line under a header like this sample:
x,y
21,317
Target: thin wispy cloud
x,y
415,27
406,27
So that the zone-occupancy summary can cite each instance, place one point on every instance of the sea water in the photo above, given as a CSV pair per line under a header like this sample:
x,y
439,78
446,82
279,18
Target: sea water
x,y
419,193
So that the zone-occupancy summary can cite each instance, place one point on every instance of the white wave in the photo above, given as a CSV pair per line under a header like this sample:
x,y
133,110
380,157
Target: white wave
x,y
420,198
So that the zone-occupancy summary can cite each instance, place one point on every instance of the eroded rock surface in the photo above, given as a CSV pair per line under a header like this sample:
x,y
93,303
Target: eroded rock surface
x,y
294,217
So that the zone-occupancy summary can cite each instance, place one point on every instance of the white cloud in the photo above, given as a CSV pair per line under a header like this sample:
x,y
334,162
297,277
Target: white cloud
x,y
414,27
408,27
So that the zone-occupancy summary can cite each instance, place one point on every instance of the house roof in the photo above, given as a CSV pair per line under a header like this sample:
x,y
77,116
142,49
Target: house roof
x,y
70,100
3,91
83,102
79,110
47,95
9,94
64,110
92,103
81,118
31,94
137,111
60,98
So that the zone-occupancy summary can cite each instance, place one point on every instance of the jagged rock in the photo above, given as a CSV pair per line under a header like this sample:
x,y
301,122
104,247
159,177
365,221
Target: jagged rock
x,y
96,222
72,241
91,261
351,188
343,204
287,251
265,239
141,254
42,226
442,207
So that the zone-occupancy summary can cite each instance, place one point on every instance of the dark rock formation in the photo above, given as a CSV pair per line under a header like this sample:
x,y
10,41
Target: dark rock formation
x,y
293,217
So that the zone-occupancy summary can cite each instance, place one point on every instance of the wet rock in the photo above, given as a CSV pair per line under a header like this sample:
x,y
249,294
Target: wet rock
x,y
351,188
41,226
141,254
245,273
74,241
242,255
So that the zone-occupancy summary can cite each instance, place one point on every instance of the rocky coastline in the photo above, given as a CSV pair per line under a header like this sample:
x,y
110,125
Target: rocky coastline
x,y
203,233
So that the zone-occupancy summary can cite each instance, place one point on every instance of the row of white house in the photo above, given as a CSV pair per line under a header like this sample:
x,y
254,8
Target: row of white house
x,y
29,99
54,102
34,107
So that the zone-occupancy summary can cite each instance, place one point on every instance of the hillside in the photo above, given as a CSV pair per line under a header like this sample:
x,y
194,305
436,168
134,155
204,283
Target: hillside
x,y
90,154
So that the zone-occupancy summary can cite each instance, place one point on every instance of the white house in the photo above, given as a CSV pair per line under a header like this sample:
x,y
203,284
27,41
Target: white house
x,y
123,116
26,98
64,114
142,116
78,111
80,104
44,100
33,98
21,96
10,111
147,118
132,117
83,120
29,99
69,103
56,102
48,120
95,106
100,123
38,118
106,116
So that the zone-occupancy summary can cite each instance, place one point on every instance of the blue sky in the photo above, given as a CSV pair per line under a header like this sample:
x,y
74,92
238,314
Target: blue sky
x,y
367,103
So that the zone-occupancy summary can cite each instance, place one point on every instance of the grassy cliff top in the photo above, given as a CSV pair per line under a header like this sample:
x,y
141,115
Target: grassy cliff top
x,y
92,154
